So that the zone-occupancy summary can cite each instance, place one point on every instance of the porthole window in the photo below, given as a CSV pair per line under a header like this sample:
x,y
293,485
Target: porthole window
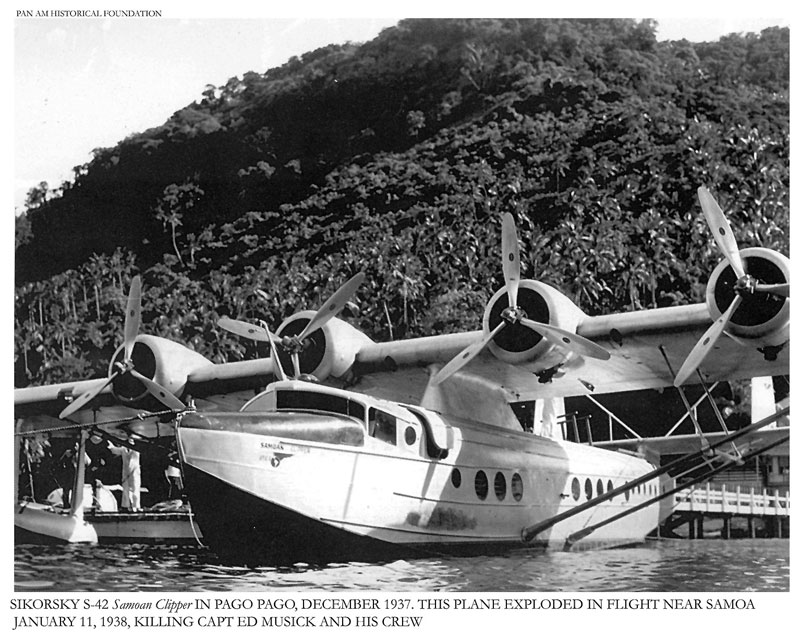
x,y
455,478
627,495
587,487
599,488
516,487
481,485
411,435
576,489
500,486
609,487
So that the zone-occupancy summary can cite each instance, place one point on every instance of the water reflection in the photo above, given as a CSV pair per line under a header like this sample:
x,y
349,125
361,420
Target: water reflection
x,y
685,565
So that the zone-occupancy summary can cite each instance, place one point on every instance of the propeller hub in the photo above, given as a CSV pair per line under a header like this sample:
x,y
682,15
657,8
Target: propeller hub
x,y
746,285
512,315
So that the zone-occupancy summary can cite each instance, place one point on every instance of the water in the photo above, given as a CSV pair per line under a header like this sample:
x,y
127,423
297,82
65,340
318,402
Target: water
x,y
658,566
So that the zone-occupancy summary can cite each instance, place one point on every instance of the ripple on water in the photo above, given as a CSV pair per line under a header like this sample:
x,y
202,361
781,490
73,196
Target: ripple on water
x,y
679,565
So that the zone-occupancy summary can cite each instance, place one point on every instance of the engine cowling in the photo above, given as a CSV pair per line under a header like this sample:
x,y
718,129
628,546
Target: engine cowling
x,y
163,361
329,351
762,319
540,302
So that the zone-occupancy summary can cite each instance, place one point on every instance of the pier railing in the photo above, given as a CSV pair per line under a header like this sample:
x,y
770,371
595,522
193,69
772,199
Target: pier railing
x,y
738,501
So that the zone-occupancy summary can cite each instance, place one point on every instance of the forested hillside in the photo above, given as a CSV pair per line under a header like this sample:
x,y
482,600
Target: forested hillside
x,y
396,158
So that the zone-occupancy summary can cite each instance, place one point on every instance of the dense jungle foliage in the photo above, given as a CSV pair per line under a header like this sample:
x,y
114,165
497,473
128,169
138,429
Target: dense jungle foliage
x,y
396,157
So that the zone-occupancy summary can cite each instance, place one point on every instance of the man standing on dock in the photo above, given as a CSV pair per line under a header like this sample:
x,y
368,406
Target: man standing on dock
x,y
131,476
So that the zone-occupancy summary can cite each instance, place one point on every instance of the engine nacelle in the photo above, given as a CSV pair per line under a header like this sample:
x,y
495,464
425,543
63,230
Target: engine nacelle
x,y
540,302
164,361
328,351
762,319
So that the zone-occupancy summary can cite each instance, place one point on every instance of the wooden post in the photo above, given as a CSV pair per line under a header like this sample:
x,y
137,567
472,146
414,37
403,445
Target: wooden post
x,y
751,527
738,499
700,518
726,527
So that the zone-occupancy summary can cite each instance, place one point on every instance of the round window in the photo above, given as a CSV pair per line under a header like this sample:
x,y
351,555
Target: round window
x,y
411,435
599,488
481,485
576,489
587,487
500,485
516,487
455,478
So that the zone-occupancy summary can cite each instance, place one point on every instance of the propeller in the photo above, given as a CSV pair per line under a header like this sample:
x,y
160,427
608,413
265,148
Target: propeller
x,y
272,349
706,344
515,315
247,330
746,285
331,308
295,344
133,312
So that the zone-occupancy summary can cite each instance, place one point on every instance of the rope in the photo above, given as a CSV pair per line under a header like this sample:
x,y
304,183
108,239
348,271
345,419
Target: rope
x,y
88,425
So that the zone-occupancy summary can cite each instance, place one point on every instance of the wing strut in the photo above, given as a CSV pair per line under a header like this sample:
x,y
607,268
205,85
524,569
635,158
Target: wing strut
x,y
701,455
698,431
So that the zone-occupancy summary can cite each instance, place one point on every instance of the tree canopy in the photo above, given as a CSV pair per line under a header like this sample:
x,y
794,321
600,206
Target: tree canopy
x,y
396,157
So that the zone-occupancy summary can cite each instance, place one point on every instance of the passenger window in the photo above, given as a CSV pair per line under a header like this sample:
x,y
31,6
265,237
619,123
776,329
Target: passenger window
x,y
516,487
383,426
576,489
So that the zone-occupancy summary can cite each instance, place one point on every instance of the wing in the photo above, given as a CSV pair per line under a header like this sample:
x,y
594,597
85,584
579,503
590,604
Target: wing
x,y
177,369
646,348
543,346
51,399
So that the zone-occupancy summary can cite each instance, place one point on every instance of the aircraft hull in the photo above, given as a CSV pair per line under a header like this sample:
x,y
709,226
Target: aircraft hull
x,y
264,495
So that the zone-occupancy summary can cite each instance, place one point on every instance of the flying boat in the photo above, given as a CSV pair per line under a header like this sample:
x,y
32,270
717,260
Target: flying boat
x,y
356,449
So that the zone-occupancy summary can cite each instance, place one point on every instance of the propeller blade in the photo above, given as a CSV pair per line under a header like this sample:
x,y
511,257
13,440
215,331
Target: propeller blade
x,y
246,330
161,394
510,248
296,364
133,314
781,289
721,230
333,306
86,397
465,356
567,340
276,361
707,342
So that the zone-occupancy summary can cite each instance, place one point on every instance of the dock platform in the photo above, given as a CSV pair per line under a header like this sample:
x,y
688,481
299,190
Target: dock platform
x,y
769,508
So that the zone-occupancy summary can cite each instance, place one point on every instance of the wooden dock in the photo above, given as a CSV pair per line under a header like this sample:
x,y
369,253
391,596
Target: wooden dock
x,y
769,508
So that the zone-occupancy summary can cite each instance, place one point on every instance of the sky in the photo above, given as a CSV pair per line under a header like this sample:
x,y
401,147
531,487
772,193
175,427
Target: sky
x,y
81,84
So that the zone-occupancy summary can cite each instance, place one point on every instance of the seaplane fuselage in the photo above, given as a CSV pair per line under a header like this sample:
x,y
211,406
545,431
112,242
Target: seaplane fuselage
x,y
309,473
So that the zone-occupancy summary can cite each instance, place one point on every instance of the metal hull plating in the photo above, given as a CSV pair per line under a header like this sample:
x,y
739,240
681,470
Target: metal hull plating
x,y
278,499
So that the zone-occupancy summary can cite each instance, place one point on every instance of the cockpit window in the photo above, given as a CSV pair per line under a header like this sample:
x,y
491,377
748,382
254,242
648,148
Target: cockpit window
x,y
383,426
311,400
